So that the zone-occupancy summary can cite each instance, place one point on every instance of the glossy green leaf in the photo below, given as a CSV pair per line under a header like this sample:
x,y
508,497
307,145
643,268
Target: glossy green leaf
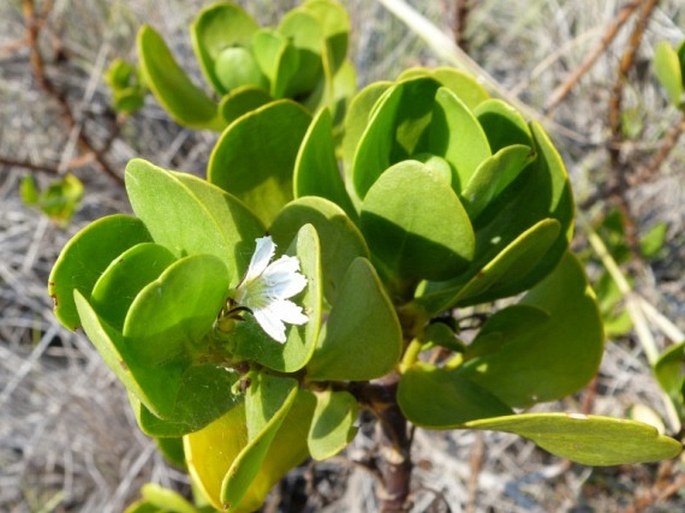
x,y
341,241
287,450
456,135
211,451
160,500
305,34
255,157
440,334
540,192
177,310
503,327
363,338
653,242
267,47
172,450
85,258
236,67
492,176
316,168
218,27
669,370
465,86
503,124
335,26
154,389
357,119
332,426
587,439
411,240
59,201
502,273
439,398
397,129
238,225
252,342
175,217
553,358
124,278
28,190
242,100
669,71
267,402
172,87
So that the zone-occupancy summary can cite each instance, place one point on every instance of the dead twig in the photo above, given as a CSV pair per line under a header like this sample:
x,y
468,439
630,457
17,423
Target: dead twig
x,y
461,15
655,495
476,464
33,25
610,33
669,142
40,168
618,177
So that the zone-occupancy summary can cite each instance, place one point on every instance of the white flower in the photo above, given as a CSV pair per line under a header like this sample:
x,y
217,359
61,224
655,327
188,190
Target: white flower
x,y
266,287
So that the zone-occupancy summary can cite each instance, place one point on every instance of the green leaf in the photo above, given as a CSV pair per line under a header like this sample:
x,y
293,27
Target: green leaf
x,y
550,359
255,157
396,130
268,401
494,175
216,28
356,121
363,338
332,426
236,67
669,71
287,450
251,341
505,326
172,87
238,225
28,190
503,124
502,273
167,499
456,135
169,390
341,241
587,439
465,86
654,240
211,451
242,100
85,258
305,34
173,313
124,278
335,26
669,370
440,334
316,168
411,240
172,450
440,398
177,218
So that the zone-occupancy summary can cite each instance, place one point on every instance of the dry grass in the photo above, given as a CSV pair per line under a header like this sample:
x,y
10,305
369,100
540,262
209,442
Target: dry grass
x,y
67,439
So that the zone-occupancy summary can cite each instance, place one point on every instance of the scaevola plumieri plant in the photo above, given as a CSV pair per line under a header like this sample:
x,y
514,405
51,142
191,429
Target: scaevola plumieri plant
x,y
252,314
303,58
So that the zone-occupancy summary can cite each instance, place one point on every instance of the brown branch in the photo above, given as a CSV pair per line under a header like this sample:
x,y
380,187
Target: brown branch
x,y
610,34
461,15
669,142
655,495
476,464
618,178
33,24
40,168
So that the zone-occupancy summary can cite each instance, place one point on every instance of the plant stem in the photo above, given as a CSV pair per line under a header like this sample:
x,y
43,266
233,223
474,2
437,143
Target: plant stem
x,y
394,440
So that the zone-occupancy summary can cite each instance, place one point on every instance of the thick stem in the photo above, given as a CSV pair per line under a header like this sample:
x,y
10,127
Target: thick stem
x,y
394,441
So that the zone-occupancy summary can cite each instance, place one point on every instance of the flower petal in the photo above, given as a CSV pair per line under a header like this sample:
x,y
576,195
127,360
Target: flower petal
x,y
283,279
287,311
271,324
261,257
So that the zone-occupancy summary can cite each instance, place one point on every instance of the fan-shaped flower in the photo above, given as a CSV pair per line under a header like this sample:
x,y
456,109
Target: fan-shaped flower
x,y
267,286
